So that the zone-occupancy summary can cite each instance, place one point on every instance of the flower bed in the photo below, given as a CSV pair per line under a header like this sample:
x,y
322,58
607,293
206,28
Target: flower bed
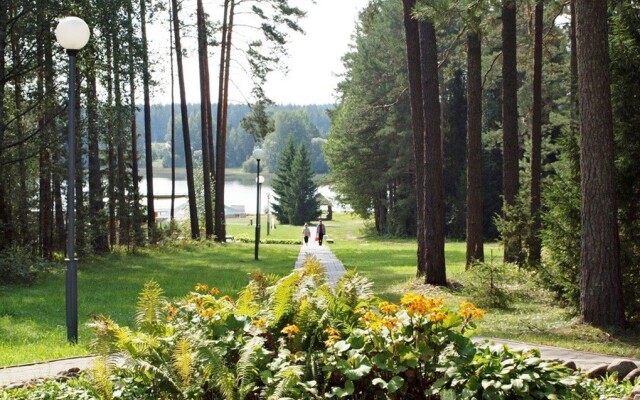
x,y
296,338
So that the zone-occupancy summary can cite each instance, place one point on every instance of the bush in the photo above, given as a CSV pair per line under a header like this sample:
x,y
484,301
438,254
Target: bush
x,y
20,266
488,285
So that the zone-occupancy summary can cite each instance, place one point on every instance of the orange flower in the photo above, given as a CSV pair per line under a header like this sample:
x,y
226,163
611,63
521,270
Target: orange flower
x,y
228,299
415,304
290,330
469,310
391,323
208,313
214,291
388,308
437,316
334,336
369,316
171,312
259,323
201,287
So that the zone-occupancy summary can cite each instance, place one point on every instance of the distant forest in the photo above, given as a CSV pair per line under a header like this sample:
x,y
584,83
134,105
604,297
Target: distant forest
x,y
308,123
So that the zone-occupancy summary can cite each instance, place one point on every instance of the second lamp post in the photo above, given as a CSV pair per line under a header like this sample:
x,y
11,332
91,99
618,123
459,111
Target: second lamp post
x,y
258,154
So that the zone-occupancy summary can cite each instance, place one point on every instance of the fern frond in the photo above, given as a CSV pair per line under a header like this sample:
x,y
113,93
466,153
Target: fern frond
x,y
247,369
101,377
289,378
106,332
314,269
217,372
353,287
144,368
183,359
281,298
148,310
245,305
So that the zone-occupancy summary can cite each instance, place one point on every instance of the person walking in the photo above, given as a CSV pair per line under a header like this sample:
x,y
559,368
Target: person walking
x,y
320,232
306,232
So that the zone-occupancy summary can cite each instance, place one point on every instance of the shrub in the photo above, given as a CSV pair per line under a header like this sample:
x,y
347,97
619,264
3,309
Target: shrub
x,y
20,266
488,284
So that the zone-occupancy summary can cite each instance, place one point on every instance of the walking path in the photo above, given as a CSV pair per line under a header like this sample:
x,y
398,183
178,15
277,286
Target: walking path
x,y
334,270
333,266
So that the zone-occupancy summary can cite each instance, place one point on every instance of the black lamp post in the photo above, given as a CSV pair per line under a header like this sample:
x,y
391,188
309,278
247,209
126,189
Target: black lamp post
x,y
73,34
258,154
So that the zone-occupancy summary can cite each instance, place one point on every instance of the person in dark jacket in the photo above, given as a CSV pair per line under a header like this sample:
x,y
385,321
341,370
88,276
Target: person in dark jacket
x,y
320,232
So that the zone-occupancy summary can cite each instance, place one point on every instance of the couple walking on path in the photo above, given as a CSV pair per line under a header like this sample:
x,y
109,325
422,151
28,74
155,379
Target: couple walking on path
x,y
321,231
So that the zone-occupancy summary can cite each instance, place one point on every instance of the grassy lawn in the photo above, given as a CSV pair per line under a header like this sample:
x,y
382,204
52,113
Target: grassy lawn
x,y
32,319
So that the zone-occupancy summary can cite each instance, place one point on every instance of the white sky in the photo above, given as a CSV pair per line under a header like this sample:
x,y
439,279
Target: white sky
x,y
314,59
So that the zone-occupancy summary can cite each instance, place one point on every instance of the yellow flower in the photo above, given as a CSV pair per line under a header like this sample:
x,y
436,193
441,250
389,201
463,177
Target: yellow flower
x,y
208,313
388,308
469,310
201,287
259,323
214,291
290,330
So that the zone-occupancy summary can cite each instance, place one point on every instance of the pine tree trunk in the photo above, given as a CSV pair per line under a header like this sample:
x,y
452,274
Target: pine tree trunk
x,y
221,129
601,301
173,122
111,144
136,218
475,243
151,219
81,210
204,120
5,223
22,206
193,211
61,237
574,124
121,176
45,206
412,38
511,151
99,242
535,244
434,202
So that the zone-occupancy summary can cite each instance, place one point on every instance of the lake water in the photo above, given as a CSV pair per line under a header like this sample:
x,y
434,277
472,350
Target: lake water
x,y
236,193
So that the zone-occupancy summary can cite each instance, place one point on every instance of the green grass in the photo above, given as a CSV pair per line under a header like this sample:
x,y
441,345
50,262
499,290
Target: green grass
x,y
32,319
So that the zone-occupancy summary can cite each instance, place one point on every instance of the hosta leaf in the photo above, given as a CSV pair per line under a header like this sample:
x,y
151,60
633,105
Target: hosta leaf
x,y
344,392
395,383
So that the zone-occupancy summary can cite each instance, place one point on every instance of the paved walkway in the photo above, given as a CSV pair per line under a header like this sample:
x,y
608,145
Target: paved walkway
x,y
334,270
333,266
584,360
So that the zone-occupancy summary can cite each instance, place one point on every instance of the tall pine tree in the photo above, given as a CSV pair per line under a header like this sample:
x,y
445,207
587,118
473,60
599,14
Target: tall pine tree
x,y
304,205
282,182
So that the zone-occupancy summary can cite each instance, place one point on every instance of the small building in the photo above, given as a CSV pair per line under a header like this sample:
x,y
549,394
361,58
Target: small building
x,y
325,206
234,211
